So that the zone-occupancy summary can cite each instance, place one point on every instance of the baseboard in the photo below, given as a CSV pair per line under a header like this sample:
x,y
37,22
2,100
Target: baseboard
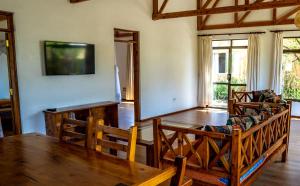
x,y
171,113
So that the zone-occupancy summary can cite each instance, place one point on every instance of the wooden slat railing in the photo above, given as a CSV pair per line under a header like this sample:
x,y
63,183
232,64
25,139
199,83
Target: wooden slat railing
x,y
232,157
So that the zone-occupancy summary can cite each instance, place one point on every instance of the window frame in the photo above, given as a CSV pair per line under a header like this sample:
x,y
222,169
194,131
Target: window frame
x,y
296,51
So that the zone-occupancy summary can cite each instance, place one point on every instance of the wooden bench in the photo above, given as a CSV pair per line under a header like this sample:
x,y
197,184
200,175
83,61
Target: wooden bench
x,y
243,97
208,153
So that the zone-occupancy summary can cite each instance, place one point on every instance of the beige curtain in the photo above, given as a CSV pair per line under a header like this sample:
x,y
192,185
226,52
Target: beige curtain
x,y
277,61
253,62
130,73
205,88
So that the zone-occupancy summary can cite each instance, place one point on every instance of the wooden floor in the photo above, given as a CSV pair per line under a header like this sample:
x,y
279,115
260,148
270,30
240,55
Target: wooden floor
x,y
126,115
275,174
192,117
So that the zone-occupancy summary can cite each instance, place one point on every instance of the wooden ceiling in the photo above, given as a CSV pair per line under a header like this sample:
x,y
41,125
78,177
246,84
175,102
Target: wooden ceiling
x,y
238,9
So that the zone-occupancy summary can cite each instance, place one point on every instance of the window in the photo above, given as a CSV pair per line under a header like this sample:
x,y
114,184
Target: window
x,y
229,69
222,63
291,68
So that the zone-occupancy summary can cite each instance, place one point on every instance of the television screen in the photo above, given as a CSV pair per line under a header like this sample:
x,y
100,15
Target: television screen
x,y
62,58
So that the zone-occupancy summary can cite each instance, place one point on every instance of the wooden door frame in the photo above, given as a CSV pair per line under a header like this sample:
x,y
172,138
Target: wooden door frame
x,y
12,71
136,64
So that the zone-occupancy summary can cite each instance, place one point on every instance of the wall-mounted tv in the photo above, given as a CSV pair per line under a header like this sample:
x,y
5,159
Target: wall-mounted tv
x,y
65,58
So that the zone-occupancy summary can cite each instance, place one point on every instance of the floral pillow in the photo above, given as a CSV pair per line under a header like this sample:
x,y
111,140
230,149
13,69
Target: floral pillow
x,y
220,129
244,122
269,96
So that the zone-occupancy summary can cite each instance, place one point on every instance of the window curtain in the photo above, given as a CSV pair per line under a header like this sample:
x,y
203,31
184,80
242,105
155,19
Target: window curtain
x,y
130,73
117,81
205,88
277,61
253,62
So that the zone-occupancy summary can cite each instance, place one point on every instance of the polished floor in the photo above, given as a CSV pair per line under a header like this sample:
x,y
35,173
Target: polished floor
x,y
126,115
275,174
192,117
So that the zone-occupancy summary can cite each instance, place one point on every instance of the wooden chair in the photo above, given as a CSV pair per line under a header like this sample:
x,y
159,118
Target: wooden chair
x,y
1,130
69,134
104,139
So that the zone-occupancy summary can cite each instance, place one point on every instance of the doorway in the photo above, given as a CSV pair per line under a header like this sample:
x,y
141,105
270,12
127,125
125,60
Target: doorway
x,y
128,68
229,69
10,121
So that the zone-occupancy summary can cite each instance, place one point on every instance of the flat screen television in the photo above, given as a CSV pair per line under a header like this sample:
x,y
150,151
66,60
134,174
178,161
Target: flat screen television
x,y
65,58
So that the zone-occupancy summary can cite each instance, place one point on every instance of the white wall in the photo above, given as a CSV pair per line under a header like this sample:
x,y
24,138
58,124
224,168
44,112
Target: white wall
x,y
4,80
168,55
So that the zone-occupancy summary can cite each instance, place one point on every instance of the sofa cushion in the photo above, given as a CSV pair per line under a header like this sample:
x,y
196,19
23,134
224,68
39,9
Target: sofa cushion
x,y
256,95
269,96
244,122
226,129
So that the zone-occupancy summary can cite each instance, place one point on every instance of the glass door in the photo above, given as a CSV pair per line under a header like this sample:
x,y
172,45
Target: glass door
x,y
9,94
220,79
229,69
6,115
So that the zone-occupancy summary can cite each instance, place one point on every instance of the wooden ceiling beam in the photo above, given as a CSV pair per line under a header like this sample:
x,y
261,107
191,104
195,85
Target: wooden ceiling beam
x,y
208,16
247,24
286,16
77,1
274,15
163,6
236,14
248,12
227,9
206,4
155,9
199,18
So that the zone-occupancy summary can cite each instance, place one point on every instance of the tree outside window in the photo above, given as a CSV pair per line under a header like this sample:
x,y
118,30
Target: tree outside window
x,y
291,68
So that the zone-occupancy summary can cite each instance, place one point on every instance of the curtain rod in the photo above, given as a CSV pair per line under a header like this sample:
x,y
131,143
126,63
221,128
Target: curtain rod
x,y
229,34
292,30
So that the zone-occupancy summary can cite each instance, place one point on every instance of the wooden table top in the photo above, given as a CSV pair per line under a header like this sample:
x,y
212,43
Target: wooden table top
x,y
35,159
82,107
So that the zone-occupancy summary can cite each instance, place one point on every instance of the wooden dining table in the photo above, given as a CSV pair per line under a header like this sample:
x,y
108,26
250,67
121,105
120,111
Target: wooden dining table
x,y
35,159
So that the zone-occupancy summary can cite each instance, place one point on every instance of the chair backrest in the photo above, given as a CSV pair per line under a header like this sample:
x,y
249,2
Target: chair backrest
x,y
1,130
106,137
76,131
242,96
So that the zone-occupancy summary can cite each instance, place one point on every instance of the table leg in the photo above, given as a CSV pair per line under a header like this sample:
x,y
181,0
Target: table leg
x,y
150,155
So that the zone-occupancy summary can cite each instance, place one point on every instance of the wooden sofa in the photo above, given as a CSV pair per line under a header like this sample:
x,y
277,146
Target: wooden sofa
x,y
224,159
244,97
